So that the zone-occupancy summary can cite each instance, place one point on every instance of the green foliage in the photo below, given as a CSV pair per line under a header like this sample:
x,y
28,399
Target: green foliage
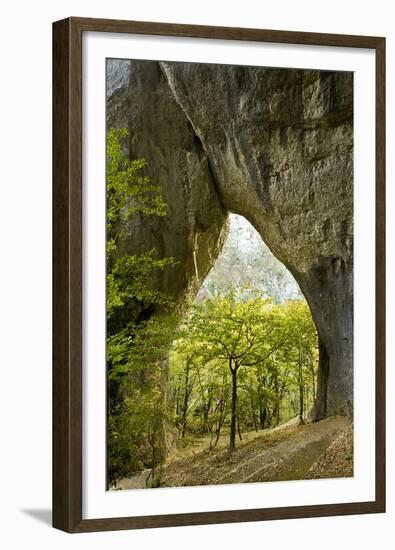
x,y
130,280
265,352
140,345
128,191
243,331
137,338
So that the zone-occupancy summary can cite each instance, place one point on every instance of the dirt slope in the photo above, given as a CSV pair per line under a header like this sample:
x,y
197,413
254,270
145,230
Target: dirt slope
x,y
289,452
337,461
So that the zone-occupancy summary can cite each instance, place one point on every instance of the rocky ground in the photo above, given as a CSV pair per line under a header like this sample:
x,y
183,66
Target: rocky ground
x,y
337,461
319,450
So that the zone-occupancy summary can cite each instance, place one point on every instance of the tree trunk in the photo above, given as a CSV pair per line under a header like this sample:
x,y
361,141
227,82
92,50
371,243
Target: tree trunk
x,y
262,416
184,413
312,378
206,411
301,404
320,407
301,392
186,399
217,431
253,415
277,413
220,424
238,429
152,441
160,438
177,399
233,418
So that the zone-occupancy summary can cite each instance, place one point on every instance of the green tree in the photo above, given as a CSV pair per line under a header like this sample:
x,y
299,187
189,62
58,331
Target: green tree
x,y
129,276
302,352
242,333
135,371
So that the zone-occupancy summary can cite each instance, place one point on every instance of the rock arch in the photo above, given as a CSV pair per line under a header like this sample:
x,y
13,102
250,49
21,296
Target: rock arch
x,y
273,145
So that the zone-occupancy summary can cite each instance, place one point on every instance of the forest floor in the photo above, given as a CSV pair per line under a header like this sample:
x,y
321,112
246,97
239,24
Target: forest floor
x,y
288,452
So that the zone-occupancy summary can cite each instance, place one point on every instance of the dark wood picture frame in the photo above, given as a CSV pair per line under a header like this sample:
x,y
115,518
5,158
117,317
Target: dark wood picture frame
x,y
67,274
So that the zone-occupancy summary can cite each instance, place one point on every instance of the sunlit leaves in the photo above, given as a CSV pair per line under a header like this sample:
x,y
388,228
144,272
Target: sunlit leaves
x,y
272,346
128,191
136,347
131,279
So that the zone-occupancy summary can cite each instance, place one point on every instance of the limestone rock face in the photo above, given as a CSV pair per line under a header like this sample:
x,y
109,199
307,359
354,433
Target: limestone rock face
x,y
195,225
273,145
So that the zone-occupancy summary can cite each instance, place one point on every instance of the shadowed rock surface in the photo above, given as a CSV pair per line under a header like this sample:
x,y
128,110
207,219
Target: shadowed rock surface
x,y
195,226
273,145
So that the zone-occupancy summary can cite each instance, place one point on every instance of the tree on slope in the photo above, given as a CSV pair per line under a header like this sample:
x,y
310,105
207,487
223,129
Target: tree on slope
x,y
135,371
241,333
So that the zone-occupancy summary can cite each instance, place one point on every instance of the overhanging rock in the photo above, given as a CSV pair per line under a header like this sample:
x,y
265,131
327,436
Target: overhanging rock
x,y
273,145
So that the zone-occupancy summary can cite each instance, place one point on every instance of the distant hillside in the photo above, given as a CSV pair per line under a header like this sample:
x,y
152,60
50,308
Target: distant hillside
x,y
246,260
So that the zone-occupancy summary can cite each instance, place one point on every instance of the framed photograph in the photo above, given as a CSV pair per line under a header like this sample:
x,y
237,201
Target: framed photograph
x,y
218,275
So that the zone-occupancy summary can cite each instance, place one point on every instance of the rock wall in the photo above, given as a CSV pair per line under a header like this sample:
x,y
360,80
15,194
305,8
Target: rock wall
x,y
195,226
273,145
